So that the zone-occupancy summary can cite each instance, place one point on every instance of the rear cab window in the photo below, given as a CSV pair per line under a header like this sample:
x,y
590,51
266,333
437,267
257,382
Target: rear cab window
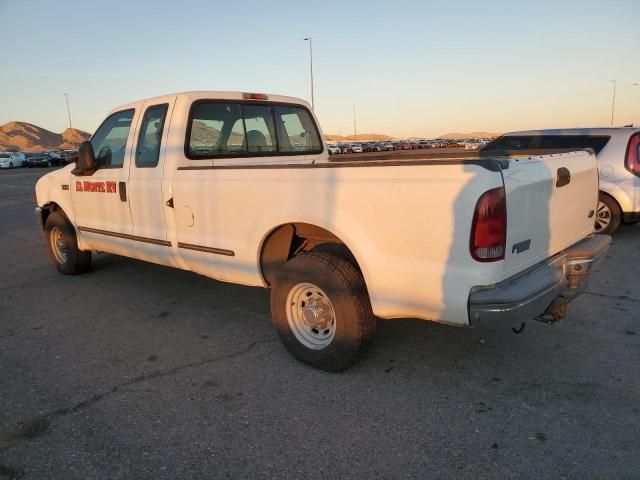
x,y
234,129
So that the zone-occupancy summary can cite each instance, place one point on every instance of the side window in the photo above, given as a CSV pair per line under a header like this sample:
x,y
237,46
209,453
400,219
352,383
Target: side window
x,y
260,131
296,130
562,142
150,137
510,143
215,129
574,141
110,140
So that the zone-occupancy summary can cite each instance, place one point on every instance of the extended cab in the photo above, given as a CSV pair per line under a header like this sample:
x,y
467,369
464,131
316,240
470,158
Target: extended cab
x,y
239,187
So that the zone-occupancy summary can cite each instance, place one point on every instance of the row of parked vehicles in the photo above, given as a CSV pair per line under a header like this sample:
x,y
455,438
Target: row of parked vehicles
x,y
361,147
56,158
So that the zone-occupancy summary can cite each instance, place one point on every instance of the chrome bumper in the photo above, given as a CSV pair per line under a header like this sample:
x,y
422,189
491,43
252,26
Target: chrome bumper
x,y
542,292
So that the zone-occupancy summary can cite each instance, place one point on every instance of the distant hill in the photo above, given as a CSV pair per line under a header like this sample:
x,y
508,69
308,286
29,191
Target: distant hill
x,y
27,137
447,136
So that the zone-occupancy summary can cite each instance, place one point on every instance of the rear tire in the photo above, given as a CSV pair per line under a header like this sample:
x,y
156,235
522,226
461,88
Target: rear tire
x,y
608,215
321,308
62,245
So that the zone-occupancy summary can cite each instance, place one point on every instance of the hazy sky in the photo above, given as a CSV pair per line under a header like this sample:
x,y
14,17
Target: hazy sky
x,y
410,67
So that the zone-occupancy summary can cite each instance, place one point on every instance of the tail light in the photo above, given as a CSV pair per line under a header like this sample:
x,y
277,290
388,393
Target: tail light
x,y
632,159
489,227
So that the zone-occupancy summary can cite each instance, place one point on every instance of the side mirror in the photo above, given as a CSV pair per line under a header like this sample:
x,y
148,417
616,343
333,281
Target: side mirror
x,y
86,159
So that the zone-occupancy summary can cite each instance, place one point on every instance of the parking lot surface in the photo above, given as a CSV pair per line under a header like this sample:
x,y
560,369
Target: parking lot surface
x,y
140,371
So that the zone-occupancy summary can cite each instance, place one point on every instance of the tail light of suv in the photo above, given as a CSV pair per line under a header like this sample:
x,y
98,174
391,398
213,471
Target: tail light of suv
x,y
489,227
632,159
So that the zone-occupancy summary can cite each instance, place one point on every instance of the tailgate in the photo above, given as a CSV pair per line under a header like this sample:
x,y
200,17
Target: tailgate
x,y
550,204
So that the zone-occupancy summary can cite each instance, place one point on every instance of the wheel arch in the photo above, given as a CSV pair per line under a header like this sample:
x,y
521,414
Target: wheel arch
x,y
613,199
48,208
286,240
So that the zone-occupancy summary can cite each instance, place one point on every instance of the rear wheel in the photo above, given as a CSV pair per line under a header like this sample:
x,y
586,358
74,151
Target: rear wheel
x,y
608,215
63,246
321,308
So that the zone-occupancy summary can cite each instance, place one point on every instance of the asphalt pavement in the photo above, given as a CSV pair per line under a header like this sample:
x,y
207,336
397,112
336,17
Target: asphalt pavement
x,y
140,371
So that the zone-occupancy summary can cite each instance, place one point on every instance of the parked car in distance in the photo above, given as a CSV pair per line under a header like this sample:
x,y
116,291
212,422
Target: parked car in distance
x,y
11,159
345,148
56,158
618,157
472,144
37,160
388,147
356,148
333,149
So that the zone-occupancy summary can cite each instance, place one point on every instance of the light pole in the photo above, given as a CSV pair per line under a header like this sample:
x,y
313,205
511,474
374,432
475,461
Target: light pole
x,y
355,130
613,101
311,67
69,115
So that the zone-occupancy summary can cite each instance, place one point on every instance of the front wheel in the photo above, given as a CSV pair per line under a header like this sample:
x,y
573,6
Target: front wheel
x,y
321,308
608,215
63,246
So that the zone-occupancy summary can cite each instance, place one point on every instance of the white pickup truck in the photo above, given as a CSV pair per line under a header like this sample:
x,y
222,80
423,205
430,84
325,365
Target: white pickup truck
x,y
239,187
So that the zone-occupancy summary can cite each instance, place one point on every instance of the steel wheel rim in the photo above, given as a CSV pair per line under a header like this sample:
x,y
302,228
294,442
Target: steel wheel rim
x,y
58,245
603,216
310,315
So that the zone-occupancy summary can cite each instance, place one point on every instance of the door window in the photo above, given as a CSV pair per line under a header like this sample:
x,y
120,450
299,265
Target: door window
x,y
110,140
148,149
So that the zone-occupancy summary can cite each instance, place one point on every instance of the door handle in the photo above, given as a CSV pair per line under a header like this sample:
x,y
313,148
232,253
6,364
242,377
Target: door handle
x,y
564,177
122,189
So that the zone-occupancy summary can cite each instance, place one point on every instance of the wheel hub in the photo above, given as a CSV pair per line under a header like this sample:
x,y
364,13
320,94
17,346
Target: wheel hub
x,y
316,313
311,316
603,216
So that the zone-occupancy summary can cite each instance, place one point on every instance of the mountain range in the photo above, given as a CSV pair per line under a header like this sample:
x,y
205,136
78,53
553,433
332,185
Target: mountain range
x,y
27,137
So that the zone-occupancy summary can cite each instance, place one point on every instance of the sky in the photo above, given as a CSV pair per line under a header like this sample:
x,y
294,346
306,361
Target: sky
x,y
410,68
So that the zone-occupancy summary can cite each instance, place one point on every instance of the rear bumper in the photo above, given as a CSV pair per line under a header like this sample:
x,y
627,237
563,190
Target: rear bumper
x,y
542,292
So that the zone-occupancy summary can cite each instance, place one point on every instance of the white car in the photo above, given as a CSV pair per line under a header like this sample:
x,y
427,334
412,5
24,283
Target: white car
x,y
473,144
11,159
333,149
357,148
338,243
618,156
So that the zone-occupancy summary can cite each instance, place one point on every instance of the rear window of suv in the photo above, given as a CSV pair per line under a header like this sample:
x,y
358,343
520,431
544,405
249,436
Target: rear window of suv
x,y
548,142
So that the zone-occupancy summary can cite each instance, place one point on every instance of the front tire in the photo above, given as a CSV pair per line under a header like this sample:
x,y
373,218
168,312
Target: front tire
x,y
321,308
63,246
608,215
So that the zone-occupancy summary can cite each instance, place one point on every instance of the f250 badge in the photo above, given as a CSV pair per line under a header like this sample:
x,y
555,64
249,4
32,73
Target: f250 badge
x,y
104,187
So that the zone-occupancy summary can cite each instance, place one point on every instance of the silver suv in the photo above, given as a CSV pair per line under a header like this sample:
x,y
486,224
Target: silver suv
x,y
618,156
